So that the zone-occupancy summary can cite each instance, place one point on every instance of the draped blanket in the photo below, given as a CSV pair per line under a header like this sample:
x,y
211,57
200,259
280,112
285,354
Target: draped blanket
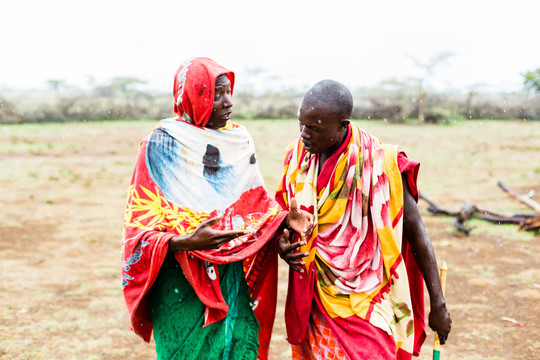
x,y
358,264
186,174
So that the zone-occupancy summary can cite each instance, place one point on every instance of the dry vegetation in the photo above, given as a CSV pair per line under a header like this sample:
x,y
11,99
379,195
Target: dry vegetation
x,y
395,101
62,194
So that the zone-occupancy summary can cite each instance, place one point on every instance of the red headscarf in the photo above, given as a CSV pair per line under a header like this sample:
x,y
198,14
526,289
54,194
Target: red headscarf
x,y
193,90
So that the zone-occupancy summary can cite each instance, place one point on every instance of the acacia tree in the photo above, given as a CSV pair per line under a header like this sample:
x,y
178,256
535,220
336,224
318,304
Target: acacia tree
x,y
427,68
120,85
56,85
531,80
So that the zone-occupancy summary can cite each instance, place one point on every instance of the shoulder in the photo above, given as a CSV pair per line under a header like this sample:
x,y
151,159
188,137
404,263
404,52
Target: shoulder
x,y
238,131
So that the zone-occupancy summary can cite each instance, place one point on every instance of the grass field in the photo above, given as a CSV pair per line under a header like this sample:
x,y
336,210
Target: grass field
x,y
62,195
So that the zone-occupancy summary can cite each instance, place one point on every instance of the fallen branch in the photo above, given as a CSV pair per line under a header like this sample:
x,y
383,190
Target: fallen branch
x,y
532,223
526,199
434,208
469,211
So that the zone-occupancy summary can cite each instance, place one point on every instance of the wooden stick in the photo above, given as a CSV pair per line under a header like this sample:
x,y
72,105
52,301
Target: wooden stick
x,y
523,198
437,343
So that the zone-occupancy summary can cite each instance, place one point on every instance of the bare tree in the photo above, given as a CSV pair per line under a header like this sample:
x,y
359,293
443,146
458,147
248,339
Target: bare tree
x,y
428,67
56,85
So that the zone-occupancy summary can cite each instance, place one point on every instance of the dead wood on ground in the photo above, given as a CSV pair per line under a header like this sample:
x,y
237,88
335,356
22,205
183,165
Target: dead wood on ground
x,y
470,211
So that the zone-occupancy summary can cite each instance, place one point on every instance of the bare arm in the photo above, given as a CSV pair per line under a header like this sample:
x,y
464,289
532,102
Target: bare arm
x,y
415,233
204,237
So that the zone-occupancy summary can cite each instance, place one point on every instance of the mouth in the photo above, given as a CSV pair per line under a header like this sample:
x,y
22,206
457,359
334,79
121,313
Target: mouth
x,y
226,115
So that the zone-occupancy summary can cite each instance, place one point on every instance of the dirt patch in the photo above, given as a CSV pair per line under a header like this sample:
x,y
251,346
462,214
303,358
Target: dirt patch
x,y
63,190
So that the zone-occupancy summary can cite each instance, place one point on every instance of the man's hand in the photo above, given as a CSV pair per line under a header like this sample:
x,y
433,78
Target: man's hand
x,y
299,220
287,252
440,321
204,237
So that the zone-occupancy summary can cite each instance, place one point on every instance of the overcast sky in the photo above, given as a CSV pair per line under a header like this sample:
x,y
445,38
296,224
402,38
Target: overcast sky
x,y
297,42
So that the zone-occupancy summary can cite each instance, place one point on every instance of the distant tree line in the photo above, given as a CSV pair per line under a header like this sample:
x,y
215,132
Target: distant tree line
x,y
393,100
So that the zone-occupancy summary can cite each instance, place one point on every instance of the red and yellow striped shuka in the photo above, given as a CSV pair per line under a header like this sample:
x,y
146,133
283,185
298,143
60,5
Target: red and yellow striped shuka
x,y
359,269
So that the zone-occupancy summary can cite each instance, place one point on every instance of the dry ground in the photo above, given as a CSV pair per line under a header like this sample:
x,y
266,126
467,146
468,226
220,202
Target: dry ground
x,y
62,194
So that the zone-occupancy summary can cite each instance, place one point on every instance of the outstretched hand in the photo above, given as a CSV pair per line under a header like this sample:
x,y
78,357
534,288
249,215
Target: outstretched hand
x,y
440,321
299,220
204,237
287,252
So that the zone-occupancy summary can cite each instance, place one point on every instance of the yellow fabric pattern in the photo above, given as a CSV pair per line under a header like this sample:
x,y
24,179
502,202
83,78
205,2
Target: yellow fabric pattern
x,y
388,305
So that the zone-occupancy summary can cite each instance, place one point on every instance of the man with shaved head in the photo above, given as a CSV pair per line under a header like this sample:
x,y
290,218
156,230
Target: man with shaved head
x,y
356,283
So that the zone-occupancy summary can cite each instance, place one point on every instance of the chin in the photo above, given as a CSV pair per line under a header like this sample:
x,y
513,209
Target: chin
x,y
216,125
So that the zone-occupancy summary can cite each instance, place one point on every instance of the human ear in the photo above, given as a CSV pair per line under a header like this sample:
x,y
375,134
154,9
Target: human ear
x,y
345,123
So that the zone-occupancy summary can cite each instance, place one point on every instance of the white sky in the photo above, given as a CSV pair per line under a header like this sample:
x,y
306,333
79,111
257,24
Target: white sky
x,y
298,42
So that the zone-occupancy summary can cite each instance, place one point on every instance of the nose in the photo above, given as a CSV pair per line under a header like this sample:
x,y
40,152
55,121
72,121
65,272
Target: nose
x,y
304,132
227,101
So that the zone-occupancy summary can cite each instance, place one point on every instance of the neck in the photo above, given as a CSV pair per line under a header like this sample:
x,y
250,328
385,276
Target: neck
x,y
323,156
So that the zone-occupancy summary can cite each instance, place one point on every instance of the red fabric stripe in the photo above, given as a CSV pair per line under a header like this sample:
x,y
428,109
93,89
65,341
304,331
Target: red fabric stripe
x,y
410,168
416,286
328,168
358,338
397,218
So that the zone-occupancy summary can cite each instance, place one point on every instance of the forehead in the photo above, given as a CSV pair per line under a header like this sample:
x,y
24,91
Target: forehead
x,y
222,80
316,114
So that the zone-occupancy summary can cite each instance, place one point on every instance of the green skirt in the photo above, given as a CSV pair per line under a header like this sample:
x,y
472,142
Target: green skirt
x,y
178,317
